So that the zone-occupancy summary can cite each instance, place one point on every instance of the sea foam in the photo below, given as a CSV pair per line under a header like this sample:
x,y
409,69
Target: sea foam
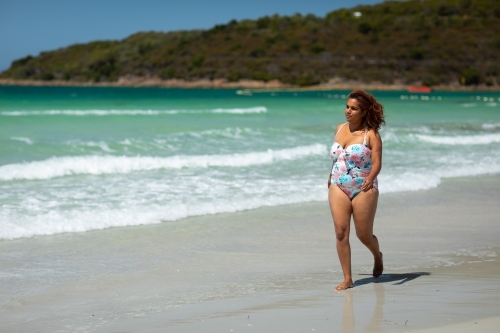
x,y
488,126
480,139
22,139
79,220
112,112
96,165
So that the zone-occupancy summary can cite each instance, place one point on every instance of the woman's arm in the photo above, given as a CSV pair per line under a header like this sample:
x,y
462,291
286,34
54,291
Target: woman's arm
x,y
330,173
375,144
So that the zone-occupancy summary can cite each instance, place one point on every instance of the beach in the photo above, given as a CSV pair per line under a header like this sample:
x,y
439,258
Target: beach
x,y
181,210
268,269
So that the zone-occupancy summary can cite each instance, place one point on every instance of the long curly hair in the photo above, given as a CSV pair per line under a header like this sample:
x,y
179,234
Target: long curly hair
x,y
374,117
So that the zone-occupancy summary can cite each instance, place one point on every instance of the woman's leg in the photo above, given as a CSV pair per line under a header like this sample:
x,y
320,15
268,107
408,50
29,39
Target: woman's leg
x,y
364,207
340,206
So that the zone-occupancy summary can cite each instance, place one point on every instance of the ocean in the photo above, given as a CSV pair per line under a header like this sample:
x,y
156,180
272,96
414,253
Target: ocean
x,y
75,159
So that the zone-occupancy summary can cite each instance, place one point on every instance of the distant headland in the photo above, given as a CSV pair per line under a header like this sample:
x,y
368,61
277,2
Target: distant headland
x,y
446,45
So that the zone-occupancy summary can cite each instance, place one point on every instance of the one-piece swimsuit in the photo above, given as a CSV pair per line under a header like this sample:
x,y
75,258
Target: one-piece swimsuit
x,y
351,165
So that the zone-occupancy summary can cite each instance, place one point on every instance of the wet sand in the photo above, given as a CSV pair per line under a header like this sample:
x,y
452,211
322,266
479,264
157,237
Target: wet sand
x,y
264,270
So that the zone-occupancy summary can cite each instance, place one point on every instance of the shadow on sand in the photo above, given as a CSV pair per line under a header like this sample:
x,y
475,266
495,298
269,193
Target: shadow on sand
x,y
385,278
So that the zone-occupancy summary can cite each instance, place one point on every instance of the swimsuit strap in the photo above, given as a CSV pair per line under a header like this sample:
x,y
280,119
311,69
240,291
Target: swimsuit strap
x,y
364,136
339,130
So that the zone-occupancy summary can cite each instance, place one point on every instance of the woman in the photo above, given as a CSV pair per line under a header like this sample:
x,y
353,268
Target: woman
x,y
352,185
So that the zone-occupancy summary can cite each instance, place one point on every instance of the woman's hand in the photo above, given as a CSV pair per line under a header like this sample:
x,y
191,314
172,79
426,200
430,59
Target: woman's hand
x,y
367,184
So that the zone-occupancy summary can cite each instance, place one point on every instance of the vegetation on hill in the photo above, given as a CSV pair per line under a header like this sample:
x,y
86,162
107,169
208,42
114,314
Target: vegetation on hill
x,y
427,42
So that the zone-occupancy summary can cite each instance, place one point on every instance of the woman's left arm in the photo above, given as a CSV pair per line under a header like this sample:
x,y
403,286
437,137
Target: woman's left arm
x,y
375,142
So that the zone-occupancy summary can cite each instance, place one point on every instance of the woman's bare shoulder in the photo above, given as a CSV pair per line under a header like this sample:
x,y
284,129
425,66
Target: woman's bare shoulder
x,y
373,133
373,136
338,127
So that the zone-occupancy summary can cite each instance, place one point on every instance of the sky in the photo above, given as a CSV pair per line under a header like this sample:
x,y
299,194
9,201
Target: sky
x,y
28,27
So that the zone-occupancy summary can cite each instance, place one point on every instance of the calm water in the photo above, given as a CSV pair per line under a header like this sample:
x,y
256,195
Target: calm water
x,y
77,159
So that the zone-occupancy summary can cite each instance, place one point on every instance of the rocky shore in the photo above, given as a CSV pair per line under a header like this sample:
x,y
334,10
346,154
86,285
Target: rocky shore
x,y
333,84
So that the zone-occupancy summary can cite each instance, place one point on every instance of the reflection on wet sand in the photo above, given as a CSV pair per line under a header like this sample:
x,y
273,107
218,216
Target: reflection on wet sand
x,y
375,323
348,322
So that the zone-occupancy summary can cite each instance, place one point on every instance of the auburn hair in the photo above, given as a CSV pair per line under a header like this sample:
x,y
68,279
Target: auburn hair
x,y
374,117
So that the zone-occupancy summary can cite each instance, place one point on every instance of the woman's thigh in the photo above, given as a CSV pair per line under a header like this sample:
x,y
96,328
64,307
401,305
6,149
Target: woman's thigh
x,y
364,207
341,208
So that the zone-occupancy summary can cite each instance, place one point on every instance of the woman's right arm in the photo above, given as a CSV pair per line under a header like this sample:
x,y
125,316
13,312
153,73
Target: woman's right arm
x,y
330,173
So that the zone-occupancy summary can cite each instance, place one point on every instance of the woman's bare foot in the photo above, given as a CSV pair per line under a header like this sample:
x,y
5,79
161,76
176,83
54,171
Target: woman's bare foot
x,y
345,285
378,267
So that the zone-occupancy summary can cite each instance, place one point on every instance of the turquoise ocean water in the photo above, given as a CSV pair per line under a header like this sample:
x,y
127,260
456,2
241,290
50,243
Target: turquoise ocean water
x,y
77,159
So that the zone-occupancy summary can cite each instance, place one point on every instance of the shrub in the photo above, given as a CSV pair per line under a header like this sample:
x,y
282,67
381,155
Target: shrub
x,y
102,67
261,76
271,40
235,47
431,80
181,43
234,76
197,60
295,46
374,38
144,48
470,76
47,76
258,52
307,80
496,43
167,73
417,53
21,62
364,28
263,22
67,75
317,48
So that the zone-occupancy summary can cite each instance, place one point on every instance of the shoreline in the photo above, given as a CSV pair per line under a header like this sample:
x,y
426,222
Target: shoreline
x,y
399,197
272,268
142,82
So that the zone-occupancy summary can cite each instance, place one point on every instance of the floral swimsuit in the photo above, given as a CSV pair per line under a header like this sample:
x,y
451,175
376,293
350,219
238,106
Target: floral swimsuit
x,y
351,165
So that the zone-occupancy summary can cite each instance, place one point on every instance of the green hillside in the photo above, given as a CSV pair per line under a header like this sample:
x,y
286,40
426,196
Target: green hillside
x,y
415,42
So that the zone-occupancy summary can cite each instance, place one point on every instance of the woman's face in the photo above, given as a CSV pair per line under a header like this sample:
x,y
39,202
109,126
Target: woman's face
x,y
353,113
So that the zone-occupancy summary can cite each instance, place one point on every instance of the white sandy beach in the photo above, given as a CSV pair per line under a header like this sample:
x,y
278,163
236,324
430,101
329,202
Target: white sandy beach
x,y
267,270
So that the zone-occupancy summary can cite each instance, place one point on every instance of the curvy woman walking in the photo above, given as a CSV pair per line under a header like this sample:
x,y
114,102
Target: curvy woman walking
x,y
352,185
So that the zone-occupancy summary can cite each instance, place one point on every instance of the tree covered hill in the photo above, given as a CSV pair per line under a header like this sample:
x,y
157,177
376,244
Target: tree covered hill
x,y
427,42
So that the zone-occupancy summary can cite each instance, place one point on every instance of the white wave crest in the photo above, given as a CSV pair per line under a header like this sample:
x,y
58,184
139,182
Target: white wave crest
x,y
100,144
88,113
407,181
490,126
96,165
28,141
483,139
20,225
112,112
257,109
